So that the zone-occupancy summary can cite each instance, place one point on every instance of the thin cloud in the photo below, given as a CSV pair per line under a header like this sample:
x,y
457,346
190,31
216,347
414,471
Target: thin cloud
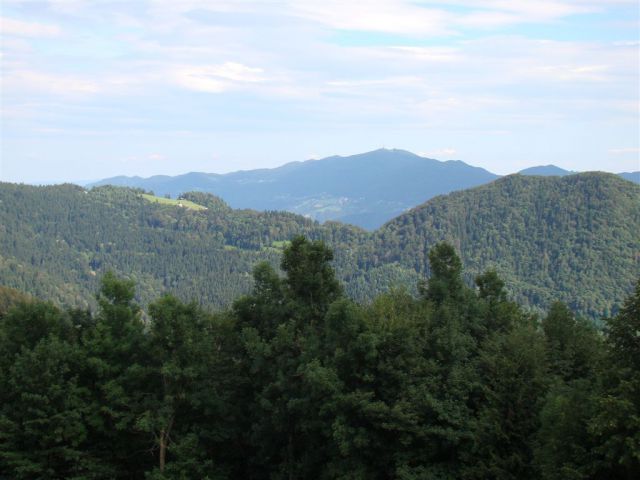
x,y
441,153
12,26
390,16
624,151
217,78
27,80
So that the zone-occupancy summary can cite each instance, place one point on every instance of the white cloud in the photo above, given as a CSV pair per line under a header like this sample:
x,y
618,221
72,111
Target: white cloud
x,y
27,80
390,16
217,78
394,82
11,26
569,73
429,54
624,151
441,153
432,17
521,10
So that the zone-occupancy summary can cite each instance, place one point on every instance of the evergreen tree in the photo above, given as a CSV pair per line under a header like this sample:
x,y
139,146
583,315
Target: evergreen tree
x,y
617,423
115,371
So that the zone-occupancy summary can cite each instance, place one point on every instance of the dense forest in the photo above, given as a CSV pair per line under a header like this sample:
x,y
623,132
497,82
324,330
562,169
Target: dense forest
x,y
55,243
295,380
573,238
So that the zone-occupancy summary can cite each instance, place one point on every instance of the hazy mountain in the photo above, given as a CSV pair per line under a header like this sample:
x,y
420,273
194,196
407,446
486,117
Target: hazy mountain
x,y
572,238
366,190
554,171
631,176
546,171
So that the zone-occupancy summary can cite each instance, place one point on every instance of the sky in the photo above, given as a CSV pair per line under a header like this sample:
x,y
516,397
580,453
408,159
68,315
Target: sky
x,y
92,89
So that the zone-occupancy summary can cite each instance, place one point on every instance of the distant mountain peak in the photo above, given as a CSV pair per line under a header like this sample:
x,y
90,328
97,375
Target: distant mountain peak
x,y
366,189
631,176
546,171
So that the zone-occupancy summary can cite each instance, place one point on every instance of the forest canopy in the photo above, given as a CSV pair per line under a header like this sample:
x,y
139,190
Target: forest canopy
x,y
296,380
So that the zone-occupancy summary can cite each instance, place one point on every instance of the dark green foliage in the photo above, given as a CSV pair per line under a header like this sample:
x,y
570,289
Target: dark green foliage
x,y
589,423
10,297
43,422
298,381
572,344
622,333
566,449
446,271
513,382
616,425
310,280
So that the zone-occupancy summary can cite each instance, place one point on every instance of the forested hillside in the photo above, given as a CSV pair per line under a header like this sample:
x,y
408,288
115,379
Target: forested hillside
x,y
572,238
55,243
296,381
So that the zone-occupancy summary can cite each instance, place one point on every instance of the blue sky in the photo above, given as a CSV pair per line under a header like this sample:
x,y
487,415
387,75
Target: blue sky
x,y
93,88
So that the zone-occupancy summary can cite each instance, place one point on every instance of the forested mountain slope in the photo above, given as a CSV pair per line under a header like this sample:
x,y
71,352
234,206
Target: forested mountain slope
x,y
57,241
574,238
366,189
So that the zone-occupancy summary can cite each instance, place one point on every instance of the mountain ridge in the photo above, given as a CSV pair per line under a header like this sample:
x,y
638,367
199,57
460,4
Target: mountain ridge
x,y
370,187
366,189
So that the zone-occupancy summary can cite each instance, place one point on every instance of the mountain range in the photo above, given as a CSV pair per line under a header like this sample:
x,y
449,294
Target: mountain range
x,y
554,171
572,238
366,190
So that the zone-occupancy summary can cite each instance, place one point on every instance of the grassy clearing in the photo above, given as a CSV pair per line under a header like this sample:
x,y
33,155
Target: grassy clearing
x,y
280,244
170,201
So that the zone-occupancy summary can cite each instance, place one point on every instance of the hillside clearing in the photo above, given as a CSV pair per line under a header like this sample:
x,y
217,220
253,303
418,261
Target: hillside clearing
x,y
170,201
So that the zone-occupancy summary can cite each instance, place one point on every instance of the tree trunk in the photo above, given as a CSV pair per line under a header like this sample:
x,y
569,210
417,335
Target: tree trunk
x,y
163,449
163,442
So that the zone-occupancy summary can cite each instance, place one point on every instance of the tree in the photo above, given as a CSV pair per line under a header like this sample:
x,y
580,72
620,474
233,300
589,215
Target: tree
x,y
446,269
280,324
192,381
491,287
617,423
116,367
43,431
622,333
572,344
310,280
513,381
